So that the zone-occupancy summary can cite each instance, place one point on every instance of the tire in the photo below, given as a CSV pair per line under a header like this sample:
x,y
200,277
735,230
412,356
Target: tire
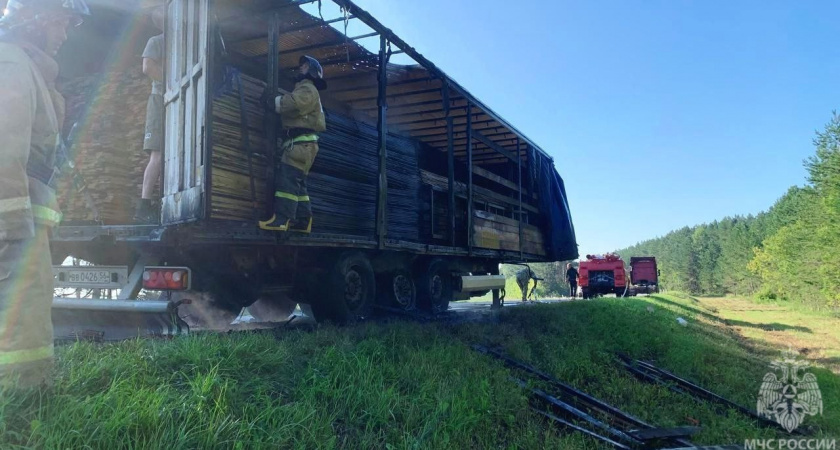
x,y
619,293
434,286
276,309
399,290
204,312
348,293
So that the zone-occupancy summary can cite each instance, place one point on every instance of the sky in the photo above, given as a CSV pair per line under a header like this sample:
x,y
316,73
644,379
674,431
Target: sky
x,y
658,113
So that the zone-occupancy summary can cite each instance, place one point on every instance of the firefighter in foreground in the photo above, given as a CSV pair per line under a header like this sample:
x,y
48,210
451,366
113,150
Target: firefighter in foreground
x,y
31,116
302,119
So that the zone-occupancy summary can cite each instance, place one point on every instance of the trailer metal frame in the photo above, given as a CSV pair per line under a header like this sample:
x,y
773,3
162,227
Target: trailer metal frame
x,y
487,137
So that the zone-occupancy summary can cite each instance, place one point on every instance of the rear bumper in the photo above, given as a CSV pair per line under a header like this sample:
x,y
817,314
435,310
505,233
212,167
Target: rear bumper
x,y
114,320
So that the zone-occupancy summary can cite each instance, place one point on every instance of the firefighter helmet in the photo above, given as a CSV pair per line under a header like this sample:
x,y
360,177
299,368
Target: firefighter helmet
x,y
315,73
15,14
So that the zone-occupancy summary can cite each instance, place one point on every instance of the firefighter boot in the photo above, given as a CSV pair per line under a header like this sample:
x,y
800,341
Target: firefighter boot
x,y
144,213
301,225
277,222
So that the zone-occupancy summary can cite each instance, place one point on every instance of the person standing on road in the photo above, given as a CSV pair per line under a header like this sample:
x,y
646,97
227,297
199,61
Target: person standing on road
x,y
572,279
154,58
523,279
302,119
31,117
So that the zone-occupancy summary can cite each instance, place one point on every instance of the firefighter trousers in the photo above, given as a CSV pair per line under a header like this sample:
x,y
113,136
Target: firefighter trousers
x,y
26,293
291,199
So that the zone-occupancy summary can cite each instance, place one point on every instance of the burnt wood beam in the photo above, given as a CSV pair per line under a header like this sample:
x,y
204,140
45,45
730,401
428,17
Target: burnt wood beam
x,y
486,141
492,126
327,44
374,24
368,90
318,24
437,124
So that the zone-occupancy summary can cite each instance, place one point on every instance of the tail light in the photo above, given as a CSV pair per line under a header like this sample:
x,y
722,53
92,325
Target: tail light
x,y
167,278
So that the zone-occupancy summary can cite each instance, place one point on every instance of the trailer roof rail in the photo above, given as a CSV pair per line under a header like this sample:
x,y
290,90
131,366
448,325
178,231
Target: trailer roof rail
x,y
417,94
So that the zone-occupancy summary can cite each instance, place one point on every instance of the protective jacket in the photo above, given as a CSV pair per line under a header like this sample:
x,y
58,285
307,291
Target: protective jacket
x,y
302,108
303,117
31,113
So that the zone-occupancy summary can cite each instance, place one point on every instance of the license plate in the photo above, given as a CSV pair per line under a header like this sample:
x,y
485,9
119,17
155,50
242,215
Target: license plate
x,y
89,277
100,277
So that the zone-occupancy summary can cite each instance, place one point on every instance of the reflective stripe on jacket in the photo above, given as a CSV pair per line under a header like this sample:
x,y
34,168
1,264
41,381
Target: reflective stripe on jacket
x,y
305,138
26,356
30,114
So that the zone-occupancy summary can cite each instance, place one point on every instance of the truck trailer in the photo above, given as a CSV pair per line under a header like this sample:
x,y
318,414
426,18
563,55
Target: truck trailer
x,y
419,191
644,275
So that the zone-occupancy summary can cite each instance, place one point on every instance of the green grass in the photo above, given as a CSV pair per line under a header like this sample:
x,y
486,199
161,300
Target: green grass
x,y
513,293
397,385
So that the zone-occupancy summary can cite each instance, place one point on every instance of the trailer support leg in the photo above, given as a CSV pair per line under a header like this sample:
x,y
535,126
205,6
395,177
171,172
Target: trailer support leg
x,y
497,299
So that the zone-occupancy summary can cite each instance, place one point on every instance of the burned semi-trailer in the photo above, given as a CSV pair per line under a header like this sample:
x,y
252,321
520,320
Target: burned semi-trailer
x,y
419,189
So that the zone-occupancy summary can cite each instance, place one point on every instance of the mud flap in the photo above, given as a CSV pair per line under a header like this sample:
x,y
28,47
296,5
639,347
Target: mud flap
x,y
114,320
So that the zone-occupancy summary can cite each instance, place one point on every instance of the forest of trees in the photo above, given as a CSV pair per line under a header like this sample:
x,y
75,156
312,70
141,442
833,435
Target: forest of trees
x,y
791,251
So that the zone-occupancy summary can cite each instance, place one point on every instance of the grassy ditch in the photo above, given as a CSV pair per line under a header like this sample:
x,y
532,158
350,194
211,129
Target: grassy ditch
x,y
399,384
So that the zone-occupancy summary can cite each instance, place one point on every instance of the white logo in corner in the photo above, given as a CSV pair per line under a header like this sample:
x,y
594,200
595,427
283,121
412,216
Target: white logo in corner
x,y
789,394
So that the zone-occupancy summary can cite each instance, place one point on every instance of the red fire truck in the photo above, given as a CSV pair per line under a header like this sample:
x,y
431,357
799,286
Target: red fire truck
x,y
602,274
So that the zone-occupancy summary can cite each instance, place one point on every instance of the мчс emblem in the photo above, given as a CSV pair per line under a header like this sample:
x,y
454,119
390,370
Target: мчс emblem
x,y
792,396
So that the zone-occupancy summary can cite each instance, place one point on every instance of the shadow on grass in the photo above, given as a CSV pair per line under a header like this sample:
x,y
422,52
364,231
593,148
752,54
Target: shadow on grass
x,y
687,308
737,323
706,307
829,361
775,326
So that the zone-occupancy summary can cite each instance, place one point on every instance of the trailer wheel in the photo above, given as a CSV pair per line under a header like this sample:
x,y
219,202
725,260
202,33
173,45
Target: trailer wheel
x,y
272,309
434,286
204,312
399,290
349,291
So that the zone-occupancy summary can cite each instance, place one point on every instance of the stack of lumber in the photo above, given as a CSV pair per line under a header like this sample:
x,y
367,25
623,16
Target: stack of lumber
x,y
502,233
491,230
480,194
342,184
111,111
